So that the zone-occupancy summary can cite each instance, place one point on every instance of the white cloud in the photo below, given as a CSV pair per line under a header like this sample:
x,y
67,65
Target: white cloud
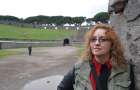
x,y
26,8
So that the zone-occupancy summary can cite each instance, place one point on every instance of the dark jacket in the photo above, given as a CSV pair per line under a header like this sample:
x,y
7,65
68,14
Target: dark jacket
x,y
68,81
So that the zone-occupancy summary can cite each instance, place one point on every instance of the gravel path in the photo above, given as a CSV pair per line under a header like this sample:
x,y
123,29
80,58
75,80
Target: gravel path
x,y
18,70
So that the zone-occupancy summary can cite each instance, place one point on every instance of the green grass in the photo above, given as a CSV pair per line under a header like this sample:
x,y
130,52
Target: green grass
x,y
18,33
8,52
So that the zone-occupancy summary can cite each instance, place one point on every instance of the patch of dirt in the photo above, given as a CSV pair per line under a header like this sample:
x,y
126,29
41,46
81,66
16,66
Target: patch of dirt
x,y
17,70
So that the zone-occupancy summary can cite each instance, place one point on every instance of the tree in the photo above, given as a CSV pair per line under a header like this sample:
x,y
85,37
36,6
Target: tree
x,y
78,20
57,20
101,17
9,18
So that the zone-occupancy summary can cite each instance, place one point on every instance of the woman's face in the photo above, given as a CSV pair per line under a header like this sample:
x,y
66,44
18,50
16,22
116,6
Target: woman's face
x,y
99,43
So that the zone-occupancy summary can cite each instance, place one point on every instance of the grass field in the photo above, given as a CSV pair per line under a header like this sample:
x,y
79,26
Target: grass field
x,y
18,33
9,52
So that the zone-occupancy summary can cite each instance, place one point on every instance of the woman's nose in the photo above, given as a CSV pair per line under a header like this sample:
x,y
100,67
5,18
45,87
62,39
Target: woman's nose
x,y
97,42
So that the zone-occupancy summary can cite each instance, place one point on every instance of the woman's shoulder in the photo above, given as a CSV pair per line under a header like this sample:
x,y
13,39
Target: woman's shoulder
x,y
81,63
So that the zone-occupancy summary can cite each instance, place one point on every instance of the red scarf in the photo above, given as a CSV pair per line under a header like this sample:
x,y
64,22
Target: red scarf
x,y
98,71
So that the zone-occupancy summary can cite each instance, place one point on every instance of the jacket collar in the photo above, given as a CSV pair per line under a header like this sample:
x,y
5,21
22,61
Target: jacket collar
x,y
85,70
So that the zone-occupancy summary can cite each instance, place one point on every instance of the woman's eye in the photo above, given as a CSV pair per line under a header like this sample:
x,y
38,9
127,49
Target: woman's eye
x,y
102,39
93,40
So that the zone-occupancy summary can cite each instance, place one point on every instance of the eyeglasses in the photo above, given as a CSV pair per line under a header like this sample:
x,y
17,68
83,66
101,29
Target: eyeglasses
x,y
99,39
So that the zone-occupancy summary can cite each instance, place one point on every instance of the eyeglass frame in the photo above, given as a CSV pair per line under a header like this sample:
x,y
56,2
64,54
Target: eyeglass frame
x,y
100,39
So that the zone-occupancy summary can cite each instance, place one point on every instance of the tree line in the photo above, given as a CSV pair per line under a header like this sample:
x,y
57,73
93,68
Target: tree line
x,y
57,20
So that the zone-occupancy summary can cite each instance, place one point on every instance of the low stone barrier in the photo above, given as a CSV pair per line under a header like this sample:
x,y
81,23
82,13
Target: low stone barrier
x,y
25,44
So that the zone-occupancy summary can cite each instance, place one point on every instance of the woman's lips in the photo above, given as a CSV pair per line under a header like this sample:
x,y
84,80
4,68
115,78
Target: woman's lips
x,y
97,48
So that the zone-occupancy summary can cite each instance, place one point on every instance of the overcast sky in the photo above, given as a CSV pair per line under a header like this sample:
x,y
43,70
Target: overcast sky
x,y
27,8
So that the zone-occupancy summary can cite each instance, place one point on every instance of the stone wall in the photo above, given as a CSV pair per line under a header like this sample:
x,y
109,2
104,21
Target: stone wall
x,y
127,23
79,37
24,44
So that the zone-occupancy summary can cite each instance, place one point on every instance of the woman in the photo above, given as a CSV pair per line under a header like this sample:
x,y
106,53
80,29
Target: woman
x,y
103,66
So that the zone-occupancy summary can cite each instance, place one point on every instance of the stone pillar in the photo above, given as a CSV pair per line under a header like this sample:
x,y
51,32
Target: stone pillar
x,y
127,23
120,24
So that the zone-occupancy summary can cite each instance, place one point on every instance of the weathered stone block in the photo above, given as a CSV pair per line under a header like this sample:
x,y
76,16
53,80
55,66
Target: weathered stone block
x,y
127,24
